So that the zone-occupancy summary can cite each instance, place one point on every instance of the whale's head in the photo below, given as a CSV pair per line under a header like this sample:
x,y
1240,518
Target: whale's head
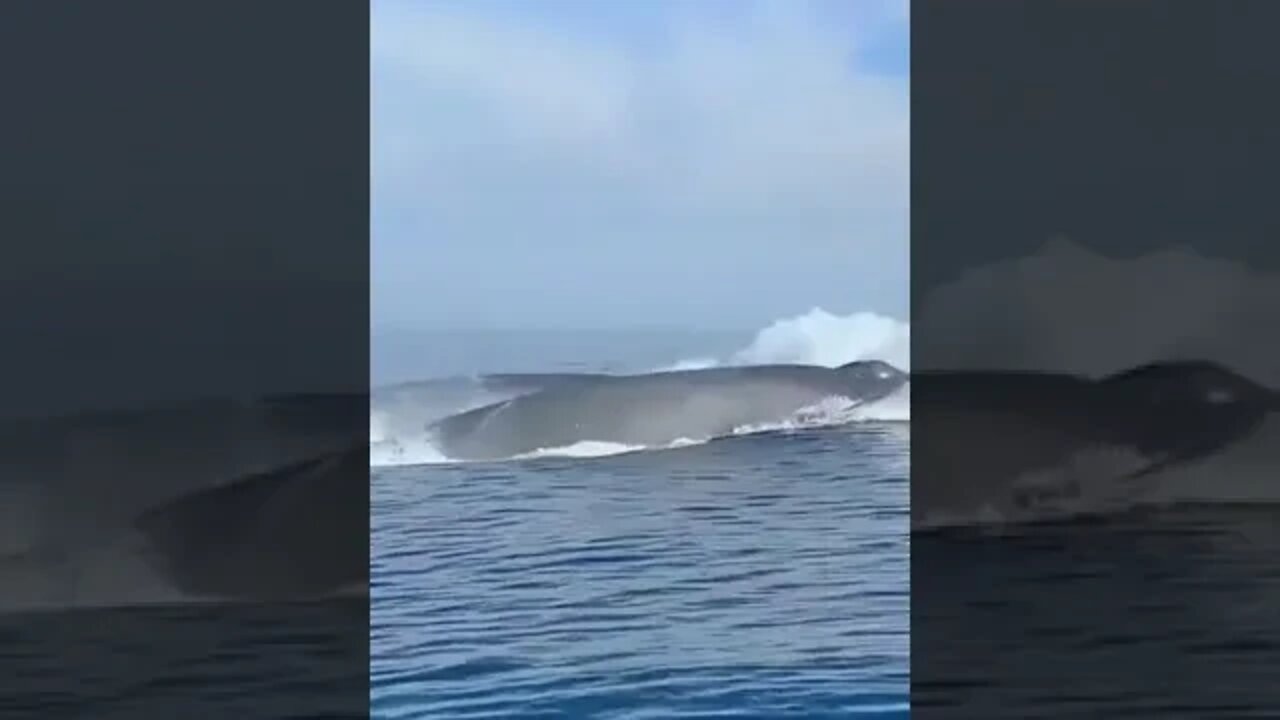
x,y
871,380
1185,410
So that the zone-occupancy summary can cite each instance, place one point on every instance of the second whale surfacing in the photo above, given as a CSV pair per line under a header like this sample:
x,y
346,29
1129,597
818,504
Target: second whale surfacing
x,y
656,409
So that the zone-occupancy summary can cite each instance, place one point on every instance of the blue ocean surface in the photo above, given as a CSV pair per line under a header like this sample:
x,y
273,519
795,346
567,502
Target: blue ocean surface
x,y
756,576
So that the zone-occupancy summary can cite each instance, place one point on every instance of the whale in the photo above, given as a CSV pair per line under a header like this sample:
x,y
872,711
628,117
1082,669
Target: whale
x,y
655,409
1021,445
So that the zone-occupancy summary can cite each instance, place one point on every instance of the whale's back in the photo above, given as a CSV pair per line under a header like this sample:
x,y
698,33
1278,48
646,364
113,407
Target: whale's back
x,y
653,409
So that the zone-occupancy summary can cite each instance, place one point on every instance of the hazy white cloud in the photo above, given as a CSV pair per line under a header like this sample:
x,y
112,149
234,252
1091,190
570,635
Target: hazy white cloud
x,y
721,131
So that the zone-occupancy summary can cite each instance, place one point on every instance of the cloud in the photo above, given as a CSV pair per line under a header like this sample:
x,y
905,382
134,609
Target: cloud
x,y
1066,308
499,125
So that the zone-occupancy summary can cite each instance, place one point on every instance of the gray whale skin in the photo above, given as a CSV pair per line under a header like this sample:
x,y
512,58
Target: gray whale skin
x,y
655,409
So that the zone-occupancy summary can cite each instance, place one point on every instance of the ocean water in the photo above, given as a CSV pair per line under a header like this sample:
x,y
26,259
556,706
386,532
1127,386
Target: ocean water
x,y
96,618
253,661
759,575
1166,608
1155,613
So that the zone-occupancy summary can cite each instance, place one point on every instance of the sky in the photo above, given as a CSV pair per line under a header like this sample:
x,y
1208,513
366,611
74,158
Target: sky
x,y
715,164
1123,148
1052,153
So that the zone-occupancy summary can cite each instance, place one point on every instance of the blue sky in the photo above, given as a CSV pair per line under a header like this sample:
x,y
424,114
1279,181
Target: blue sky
x,y
699,164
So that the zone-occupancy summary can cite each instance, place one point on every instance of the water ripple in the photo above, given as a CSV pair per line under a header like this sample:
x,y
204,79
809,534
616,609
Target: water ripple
x,y
761,577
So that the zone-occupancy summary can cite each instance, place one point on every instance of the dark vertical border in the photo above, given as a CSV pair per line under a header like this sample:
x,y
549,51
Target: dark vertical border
x,y
184,323
1094,192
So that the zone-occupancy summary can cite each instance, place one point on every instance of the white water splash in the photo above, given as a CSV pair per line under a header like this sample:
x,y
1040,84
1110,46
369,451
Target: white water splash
x,y
392,452
584,449
819,337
